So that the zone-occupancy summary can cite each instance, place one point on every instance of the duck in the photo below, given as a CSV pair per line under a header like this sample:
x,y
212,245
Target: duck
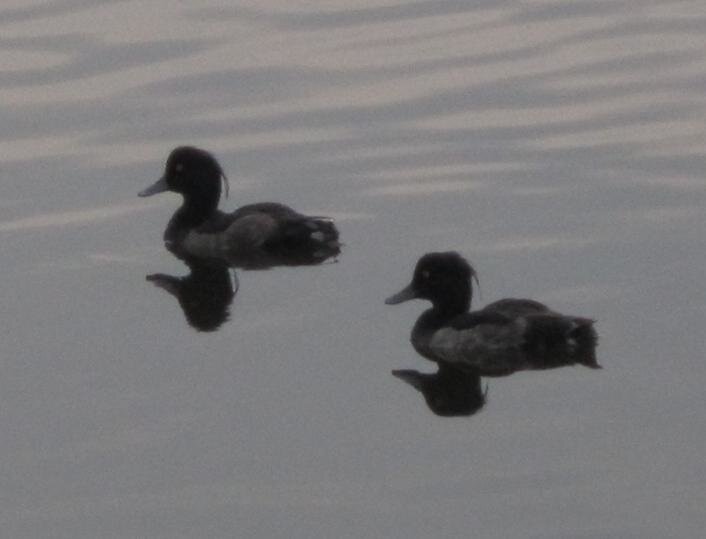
x,y
254,236
506,336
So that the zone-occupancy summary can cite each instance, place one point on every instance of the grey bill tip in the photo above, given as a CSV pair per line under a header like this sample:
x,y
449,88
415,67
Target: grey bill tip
x,y
413,378
403,295
157,187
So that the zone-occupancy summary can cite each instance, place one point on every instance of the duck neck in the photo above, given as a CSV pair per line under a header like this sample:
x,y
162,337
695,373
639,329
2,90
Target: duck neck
x,y
193,213
440,314
450,306
195,210
430,321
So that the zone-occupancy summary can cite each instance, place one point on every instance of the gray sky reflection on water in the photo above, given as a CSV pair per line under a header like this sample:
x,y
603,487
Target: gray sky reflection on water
x,y
559,146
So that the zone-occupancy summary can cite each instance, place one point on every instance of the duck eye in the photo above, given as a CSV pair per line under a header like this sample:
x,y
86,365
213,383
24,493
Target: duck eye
x,y
425,274
178,167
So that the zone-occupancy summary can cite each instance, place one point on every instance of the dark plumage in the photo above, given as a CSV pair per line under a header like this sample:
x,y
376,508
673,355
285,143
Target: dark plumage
x,y
254,236
205,295
448,392
506,336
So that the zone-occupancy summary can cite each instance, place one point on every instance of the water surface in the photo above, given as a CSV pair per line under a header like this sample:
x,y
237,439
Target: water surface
x,y
560,146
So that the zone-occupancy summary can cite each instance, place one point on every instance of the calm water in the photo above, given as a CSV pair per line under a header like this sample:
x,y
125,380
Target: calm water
x,y
561,146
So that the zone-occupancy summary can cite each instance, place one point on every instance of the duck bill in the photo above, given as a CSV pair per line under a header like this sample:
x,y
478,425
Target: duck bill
x,y
165,282
160,186
413,378
403,295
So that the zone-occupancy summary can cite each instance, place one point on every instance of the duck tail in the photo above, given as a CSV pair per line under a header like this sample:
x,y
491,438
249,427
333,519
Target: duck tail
x,y
584,339
315,236
322,231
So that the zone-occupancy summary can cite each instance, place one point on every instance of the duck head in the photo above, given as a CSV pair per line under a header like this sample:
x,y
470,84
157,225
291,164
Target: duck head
x,y
442,278
193,173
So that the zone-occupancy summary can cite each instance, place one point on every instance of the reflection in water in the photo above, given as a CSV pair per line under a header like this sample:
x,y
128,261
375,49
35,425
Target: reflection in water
x,y
448,392
506,336
565,138
205,294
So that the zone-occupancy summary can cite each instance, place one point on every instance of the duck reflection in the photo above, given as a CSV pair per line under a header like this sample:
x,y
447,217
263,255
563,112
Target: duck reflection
x,y
448,392
205,294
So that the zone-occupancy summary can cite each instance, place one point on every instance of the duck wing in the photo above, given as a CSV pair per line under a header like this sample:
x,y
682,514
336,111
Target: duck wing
x,y
485,342
289,237
218,222
242,240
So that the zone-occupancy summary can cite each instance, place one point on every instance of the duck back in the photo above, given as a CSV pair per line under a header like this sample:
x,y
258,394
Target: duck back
x,y
513,308
554,340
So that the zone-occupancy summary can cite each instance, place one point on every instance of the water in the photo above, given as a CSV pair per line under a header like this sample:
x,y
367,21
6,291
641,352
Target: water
x,y
559,145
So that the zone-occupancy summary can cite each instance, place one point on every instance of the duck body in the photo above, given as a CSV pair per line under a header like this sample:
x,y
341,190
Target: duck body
x,y
506,336
497,345
253,236
486,343
257,236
